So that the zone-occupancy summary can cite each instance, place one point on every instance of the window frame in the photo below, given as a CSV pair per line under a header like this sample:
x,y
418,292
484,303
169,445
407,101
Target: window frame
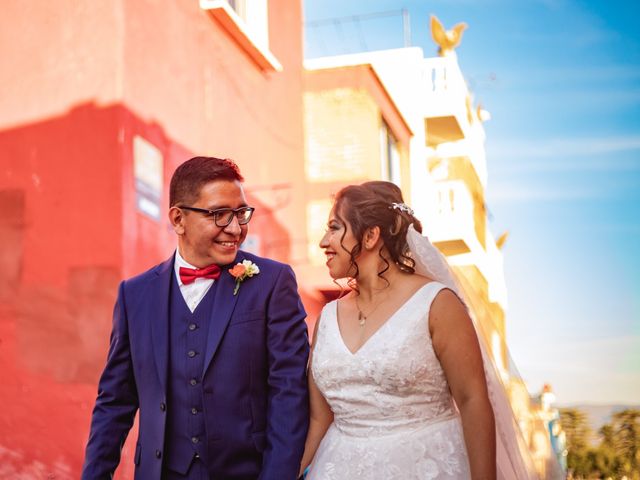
x,y
241,31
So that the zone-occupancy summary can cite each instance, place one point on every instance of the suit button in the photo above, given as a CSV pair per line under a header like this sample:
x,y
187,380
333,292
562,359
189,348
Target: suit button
x,y
192,326
194,440
194,411
191,353
158,454
163,406
193,382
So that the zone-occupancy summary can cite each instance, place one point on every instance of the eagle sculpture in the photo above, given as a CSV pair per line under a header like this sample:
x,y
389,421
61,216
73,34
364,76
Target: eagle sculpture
x,y
447,40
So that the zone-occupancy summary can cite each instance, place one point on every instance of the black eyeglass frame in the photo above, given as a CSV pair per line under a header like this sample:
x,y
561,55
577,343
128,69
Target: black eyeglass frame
x,y
212,214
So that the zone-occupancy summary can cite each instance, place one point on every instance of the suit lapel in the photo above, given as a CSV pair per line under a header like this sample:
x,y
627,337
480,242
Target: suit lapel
x,y
223,305
159,317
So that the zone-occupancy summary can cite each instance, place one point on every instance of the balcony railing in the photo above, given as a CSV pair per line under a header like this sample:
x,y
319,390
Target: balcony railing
x,y
450,226
448,107
446,90
443,76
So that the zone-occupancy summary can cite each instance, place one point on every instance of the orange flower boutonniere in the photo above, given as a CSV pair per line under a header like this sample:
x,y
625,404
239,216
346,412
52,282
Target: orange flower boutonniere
x,y
241,271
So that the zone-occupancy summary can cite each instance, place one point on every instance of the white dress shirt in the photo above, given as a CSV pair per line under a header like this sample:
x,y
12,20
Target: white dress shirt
x,y
194,292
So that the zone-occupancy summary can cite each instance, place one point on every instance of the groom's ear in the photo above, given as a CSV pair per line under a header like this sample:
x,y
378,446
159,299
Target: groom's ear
x,y
176,217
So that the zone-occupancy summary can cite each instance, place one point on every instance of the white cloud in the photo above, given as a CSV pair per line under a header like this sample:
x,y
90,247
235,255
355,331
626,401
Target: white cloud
x,y
515,192
563,147
513,162
566,155
596,370
608,76
589,387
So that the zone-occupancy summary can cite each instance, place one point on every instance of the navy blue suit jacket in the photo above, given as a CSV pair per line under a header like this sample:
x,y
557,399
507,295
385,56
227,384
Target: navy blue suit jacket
x,y
254,380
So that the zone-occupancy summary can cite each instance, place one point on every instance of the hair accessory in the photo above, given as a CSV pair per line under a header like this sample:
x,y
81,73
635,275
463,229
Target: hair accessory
x,y
403,207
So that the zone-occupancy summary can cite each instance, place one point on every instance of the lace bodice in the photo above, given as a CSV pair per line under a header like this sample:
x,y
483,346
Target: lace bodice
x,y
394,416
393,381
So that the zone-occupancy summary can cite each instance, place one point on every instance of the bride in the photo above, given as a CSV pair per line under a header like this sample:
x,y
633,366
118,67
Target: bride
x,y
396,375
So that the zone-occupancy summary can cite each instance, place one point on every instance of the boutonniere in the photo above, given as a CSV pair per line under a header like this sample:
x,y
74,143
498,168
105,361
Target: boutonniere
x,y
241,271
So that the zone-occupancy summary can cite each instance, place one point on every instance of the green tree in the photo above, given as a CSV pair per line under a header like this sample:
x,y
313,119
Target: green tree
x,y
625,435
576,427
602,463
605,459
618,454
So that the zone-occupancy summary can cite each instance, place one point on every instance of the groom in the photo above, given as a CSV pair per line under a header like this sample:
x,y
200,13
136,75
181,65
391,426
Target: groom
x,y
212,354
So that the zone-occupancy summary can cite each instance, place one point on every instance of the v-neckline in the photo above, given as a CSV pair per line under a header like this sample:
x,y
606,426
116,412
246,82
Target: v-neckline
x,y
382,325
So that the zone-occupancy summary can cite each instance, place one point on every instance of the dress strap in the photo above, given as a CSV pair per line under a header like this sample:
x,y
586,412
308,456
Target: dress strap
x,y
328,316
431,290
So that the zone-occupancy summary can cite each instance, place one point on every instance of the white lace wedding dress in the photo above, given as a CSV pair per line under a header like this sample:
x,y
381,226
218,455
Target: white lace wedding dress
x,y
394,416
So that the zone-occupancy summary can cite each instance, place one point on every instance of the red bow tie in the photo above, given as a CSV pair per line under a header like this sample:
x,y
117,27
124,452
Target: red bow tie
x,y
189,275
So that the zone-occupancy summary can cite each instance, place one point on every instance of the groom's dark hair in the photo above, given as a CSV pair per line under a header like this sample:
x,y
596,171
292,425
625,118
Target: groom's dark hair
x,y
196,172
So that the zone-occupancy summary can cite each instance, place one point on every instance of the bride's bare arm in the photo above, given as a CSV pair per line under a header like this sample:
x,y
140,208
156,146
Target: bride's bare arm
x,y
321,415
456,345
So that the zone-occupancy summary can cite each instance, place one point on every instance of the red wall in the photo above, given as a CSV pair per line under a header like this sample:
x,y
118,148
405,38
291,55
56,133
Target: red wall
x,y
83,80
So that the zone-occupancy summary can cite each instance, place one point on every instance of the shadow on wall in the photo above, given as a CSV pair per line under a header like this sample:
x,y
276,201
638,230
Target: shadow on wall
x,y
71,229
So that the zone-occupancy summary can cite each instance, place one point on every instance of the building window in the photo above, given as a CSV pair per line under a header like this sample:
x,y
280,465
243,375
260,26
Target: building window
x,y
238,6
255,15
389,155
247,22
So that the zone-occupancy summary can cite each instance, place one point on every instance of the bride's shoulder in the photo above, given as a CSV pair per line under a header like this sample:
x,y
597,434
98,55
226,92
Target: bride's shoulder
x,y
445,298
447,310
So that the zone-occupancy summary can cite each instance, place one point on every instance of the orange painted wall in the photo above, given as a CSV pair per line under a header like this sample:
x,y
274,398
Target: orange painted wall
x,y
195,81
80,80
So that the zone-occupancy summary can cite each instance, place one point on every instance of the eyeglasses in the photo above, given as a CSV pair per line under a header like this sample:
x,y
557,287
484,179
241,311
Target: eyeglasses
x,y
223,216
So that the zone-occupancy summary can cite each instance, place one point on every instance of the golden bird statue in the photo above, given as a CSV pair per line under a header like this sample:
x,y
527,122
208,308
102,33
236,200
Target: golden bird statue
x,y
447,40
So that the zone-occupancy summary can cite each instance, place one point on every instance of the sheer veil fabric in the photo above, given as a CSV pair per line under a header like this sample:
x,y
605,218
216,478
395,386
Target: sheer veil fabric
x,y
513,458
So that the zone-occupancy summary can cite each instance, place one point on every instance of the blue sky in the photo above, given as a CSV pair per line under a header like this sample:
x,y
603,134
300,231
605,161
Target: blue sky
x,y
561,79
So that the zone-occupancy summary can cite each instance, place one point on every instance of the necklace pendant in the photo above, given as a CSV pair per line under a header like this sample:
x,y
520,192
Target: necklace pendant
x,y
361,319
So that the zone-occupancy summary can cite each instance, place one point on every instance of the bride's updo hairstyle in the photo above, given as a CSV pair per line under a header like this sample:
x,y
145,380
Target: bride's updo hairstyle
x,y
369,205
